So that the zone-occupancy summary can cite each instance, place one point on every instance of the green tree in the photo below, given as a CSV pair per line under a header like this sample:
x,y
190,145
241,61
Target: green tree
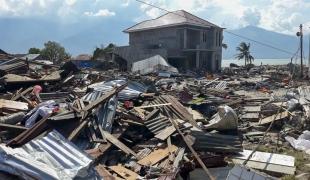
x,y
102,52
244,53
34,50
54,52
224,45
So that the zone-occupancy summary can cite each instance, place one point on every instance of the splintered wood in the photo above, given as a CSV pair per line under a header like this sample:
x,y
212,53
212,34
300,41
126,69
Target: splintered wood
x,y
157,156
118,143
124,172
13,105
164,134
274,117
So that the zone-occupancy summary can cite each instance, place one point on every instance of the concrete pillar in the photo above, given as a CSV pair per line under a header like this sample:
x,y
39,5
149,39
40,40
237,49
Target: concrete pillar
x,y
185,39
213,62
214,38
197,59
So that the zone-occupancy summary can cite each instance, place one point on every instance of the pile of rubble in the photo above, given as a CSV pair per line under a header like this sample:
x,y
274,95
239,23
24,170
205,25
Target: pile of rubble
x,y
90,124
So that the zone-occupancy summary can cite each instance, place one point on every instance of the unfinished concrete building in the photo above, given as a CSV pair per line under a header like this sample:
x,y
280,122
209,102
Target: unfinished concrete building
x,y
185,40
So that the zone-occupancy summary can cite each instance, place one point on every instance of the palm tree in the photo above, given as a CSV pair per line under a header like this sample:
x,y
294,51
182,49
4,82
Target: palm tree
x,y
244,53
224,46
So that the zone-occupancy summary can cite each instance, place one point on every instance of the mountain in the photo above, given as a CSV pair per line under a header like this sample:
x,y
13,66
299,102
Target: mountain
x,y
285,42
20,34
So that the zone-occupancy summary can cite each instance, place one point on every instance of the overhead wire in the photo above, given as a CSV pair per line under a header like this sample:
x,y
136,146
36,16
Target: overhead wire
x,y
232,33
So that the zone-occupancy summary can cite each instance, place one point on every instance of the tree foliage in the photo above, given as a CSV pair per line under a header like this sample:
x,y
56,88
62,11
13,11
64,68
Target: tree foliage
x,y
244,53
224,45
54,52
102,52
34,50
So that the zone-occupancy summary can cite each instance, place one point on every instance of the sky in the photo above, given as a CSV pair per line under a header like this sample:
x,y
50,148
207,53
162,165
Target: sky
x,y
282,16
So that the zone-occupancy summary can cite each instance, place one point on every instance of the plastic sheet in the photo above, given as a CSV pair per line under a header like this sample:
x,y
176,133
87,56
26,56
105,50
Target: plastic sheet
x,y
225,119
302,143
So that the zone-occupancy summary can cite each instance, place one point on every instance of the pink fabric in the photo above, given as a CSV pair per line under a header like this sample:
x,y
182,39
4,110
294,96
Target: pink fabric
x,y
37,89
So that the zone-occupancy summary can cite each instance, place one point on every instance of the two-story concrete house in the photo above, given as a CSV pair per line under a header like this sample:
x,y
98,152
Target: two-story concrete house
x,y
184,40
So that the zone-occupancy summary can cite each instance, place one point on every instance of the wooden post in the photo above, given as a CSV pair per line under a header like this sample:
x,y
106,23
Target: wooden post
x,y
193,151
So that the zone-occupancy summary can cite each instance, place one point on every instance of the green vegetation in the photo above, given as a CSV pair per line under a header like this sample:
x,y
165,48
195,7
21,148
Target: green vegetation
x,y
34,50
244,53
54,52
103,51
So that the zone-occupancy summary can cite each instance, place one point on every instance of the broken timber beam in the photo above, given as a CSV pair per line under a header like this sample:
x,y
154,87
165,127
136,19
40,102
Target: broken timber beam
x,y
30,133
22,94
119,144
193,151
89,107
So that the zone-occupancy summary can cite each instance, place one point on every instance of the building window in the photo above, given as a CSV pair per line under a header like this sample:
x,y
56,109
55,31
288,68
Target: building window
x,y
204,36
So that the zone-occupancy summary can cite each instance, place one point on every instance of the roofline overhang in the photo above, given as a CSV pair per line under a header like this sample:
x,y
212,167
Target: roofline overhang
x,y
171,25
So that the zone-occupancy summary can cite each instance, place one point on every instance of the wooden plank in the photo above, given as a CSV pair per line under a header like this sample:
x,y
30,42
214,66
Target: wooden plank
x,y
89,107
275,117
8,104
157,156
178,158
164,134
22,93
103,172
171,155
152,114
204,167
250,116
118,144
252,108
155,105
124,172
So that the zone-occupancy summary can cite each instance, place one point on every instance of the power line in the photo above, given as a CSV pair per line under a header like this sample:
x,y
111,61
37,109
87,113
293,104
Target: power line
x,y
232,33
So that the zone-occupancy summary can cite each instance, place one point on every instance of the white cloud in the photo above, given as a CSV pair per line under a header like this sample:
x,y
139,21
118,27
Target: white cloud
x,y
101,12
278,15
70,2
125,3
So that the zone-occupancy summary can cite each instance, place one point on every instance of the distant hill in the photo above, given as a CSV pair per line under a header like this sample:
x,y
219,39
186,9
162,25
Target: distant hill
x,y
18,35
281,41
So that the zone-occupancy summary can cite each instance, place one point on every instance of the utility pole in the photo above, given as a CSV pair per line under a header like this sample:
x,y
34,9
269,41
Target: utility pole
x,y
309,57
300,34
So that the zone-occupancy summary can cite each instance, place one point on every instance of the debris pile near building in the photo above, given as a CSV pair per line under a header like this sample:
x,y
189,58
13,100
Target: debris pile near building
x,y
65,123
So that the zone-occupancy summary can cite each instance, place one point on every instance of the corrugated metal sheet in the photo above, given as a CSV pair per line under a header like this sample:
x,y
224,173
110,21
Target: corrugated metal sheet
x,y
102,87
216,142
50,157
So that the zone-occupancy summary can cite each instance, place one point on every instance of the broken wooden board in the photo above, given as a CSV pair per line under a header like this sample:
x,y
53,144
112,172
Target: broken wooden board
x,y
164,134
16,105
118,143
124,172
252,108
155,105
250,116
275,117
178,158
156,156
105,174
267,161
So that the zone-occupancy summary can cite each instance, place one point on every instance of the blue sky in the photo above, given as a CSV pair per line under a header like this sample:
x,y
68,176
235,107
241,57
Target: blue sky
x,y
82,25
277,15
